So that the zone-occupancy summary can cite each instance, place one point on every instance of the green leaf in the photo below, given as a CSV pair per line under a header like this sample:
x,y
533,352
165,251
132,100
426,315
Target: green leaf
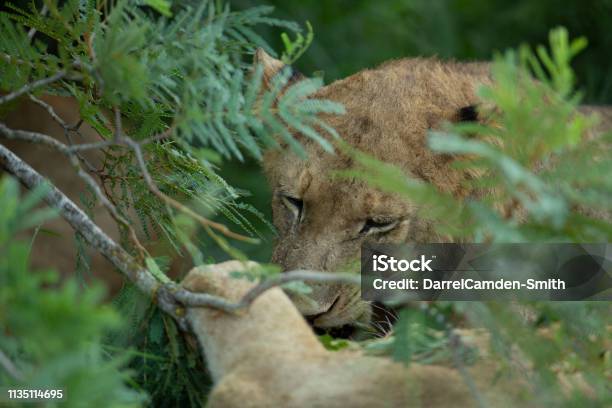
x,y
161,6
156,271
333,344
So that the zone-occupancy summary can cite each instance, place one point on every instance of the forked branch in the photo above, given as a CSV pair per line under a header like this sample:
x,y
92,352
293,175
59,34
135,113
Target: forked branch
x,y
170,297
122,140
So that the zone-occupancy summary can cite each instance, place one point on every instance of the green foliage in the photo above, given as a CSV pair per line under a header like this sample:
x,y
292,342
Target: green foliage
x,y
183,75
333,344
179,68
296,48
545,178
52,333
525,149
161,6
168,365
413,341
175,71
352,35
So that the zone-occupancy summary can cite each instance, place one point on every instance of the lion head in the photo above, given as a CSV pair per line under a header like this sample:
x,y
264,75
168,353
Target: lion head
x,y
322,220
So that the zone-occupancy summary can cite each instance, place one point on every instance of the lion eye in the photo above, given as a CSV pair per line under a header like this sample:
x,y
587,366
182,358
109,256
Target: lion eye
x,y
295,205
377,226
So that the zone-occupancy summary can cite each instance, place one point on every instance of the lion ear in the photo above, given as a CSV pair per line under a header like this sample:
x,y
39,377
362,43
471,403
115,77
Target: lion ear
x,y
272,67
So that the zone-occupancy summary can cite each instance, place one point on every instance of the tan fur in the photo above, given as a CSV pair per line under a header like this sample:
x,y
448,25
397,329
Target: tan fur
x,y
388,113
269,357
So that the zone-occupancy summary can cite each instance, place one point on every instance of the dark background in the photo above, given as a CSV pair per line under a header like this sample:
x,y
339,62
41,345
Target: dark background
x,y
350,35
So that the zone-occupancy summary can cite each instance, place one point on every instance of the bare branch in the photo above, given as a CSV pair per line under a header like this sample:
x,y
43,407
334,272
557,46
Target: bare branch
x,y
36,137
80,222
118,139
170,297
158,137
198,299
299,275
31,86
10,367
67,128
118,126
50,110
136,147
41,138
44,139
43,12
83,160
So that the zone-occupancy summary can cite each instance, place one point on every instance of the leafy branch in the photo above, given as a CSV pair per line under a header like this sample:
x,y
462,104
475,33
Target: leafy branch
x,y
168,97
170,297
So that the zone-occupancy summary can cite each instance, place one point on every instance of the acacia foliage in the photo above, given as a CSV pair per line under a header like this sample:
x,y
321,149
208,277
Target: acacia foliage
x,y
179,70
186,75
52,334
545,178
176,78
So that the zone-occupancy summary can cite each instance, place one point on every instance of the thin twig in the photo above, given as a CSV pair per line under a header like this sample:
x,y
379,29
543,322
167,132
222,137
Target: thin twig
x,y
298,275
98,239
175,204
41,138
77,126
67,129
49,110
191,299
118,126
36,137
10,367
110,207
158,137
169,297
82,158
31,86
43,12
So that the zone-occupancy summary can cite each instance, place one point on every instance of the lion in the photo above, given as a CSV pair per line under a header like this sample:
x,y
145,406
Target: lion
x,y
322,221
268,356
